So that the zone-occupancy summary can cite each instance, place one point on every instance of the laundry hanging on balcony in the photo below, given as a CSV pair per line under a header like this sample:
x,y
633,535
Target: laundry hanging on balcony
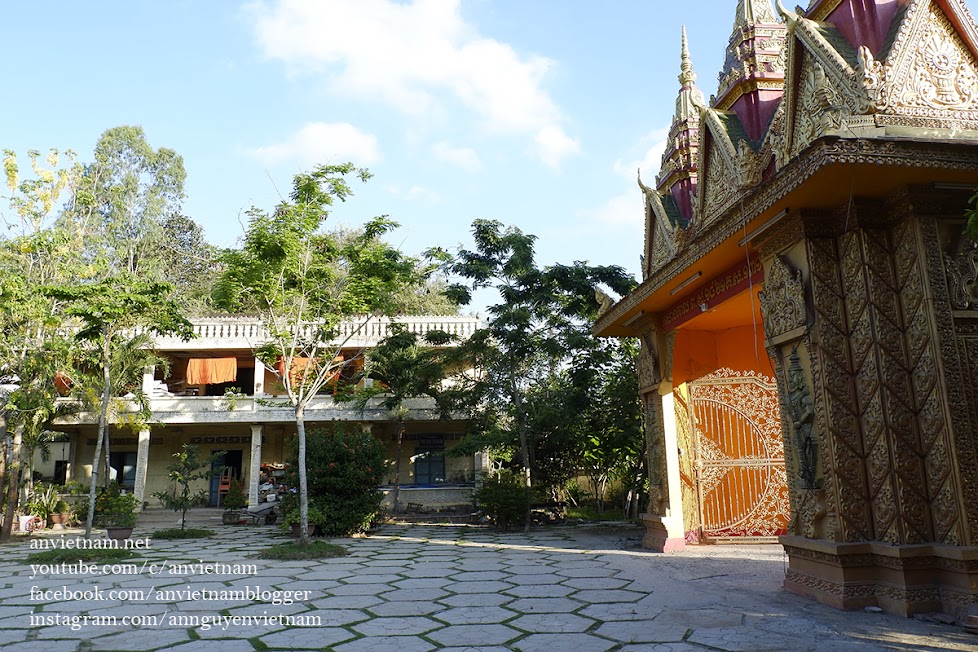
x,y
299,365
211,371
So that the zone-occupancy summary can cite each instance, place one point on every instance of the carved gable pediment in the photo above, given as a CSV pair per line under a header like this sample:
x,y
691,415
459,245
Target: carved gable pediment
x,y
717,186
732,162
926,75
661,222
930,71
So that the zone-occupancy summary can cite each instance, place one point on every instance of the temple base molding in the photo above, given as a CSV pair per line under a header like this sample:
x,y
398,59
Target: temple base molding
x,y
662,533
900,579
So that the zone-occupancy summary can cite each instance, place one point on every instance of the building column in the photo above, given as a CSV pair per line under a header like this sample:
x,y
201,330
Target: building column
x,y
142,464
664,531
149,377
259,383
255,471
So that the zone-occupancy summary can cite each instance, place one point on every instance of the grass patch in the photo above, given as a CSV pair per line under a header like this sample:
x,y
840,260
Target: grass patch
x,y
592,514
186,533
315,550
71,555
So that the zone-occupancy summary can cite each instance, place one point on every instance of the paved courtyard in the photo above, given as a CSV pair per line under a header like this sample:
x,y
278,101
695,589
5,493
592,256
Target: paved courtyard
x,y
415,588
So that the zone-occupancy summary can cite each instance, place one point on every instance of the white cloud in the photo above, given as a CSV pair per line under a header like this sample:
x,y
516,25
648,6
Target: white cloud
x,y
627,207
417,56
464,157
321,142
553,145
653,145
416,193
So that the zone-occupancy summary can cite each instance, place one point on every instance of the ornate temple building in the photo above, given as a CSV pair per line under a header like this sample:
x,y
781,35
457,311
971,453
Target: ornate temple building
x,y
809,305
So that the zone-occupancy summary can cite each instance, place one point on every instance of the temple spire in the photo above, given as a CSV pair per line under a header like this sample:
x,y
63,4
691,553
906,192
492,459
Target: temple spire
x,y
751,12
687,77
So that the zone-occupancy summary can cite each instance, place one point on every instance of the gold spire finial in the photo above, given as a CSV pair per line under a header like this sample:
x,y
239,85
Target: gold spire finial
x,y
687,76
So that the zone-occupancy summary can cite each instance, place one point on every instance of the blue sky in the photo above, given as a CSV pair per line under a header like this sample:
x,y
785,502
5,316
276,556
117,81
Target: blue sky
x,y
533,113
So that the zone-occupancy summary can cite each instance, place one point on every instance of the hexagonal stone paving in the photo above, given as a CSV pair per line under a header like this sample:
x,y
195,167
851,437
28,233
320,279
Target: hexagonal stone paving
x,y
306,638
552,623
386,644
472,635
642,631
396,625
544,605
554,642
474,615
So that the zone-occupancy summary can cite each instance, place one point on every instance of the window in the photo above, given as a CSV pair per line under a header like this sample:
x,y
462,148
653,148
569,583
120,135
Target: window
x,y
429,465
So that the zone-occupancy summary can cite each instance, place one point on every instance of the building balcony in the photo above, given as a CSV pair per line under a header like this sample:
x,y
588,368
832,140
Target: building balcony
x,y
248,333
188,410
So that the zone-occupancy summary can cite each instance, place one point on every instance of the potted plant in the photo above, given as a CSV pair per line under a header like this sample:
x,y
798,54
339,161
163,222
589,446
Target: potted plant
x,y
116,512
61,515
43,503
234,502
292,520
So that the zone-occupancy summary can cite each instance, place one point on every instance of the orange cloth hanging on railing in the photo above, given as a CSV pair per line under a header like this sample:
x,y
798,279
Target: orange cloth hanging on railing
x,y
211,371
299,365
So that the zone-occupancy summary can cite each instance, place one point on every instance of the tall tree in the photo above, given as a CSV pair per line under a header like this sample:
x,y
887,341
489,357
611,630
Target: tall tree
x,y
540,319
38,252
125,195
402,367
108,311
306,283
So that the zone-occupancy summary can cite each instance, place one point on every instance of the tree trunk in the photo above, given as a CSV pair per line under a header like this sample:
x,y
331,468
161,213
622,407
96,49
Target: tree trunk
x,y
103,435
524,445
300,426
397,466
13,480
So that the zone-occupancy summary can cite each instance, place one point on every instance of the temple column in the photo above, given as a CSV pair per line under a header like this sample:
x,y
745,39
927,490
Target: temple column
x,y
254,473
142,464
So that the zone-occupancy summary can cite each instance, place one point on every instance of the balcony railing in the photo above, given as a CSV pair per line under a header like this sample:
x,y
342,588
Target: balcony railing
x,y
250,332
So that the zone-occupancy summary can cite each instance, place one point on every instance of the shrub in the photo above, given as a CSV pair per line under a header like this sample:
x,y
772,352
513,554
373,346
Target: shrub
x,y
343,467
235,498
115,509
504,499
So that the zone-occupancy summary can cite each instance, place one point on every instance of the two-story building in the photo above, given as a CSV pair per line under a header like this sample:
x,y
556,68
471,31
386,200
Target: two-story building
x,y
219,395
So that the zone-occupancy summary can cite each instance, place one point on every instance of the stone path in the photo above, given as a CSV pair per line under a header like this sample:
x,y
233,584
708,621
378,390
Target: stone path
x,y
418,588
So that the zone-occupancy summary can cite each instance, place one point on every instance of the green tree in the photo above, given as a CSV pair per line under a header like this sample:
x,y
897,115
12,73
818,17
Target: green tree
x,y
124,196
306,283
187,467
107,310
541,318
38,252
401,368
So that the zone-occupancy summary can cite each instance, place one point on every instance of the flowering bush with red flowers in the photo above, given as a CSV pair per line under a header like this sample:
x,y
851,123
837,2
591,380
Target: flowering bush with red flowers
x,y
343,467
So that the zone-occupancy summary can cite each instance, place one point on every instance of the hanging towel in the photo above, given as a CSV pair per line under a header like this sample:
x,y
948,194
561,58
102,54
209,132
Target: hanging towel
x,y
211,371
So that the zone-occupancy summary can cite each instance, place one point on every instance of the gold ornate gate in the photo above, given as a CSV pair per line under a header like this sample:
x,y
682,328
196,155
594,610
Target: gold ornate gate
x,y
741,481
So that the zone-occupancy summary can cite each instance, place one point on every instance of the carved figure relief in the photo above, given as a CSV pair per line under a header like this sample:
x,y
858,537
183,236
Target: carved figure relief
x,y
783,300
821,108
961,268
648,361
802,410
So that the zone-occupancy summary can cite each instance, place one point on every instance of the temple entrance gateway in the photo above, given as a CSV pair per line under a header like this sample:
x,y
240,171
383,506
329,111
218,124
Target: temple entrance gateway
x,y
837,157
